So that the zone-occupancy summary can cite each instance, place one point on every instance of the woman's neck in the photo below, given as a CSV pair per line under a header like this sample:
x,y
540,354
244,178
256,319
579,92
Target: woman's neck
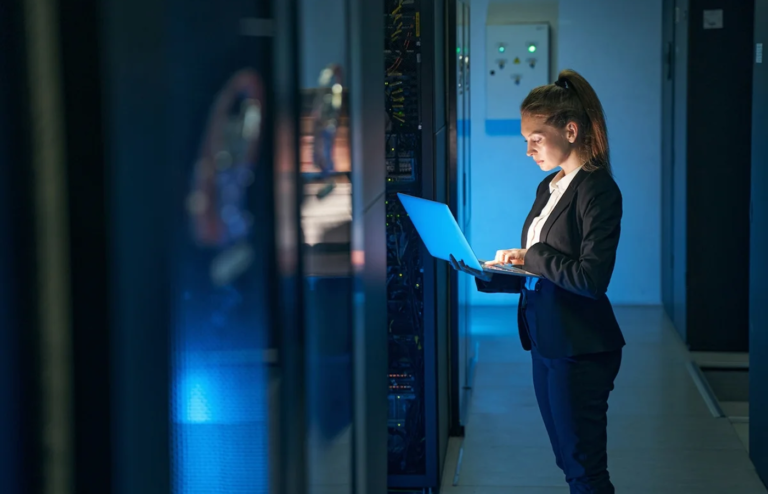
x,y
571,164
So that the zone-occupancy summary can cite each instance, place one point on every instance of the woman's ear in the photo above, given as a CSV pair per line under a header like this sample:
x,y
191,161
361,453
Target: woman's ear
x,y
572,132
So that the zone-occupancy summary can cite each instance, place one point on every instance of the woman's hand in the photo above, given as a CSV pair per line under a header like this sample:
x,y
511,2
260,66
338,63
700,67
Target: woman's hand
x,y
460,266
509,256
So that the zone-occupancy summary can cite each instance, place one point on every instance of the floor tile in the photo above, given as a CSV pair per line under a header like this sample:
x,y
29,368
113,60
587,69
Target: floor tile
x,y
721,358
735,408
742,431
486,489
494,375
525,428
637,432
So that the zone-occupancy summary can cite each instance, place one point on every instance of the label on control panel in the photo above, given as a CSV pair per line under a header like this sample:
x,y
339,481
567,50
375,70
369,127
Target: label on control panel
x,y
713,19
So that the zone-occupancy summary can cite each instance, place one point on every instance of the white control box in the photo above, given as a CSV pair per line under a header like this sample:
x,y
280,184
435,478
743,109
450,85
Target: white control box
x,y
516,61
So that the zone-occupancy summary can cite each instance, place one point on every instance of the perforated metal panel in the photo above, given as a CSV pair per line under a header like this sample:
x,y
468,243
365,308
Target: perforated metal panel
x,y
221,139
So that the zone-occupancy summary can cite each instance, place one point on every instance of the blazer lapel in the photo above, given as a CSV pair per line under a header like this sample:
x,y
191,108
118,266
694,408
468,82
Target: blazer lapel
x,y
538,206
562,204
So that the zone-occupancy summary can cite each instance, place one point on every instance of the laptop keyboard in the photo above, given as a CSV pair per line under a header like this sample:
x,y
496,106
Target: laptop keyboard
x,y
503,267
508,268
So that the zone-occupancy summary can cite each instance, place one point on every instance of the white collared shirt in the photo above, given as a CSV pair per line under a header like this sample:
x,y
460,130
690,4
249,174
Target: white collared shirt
x,y
557,188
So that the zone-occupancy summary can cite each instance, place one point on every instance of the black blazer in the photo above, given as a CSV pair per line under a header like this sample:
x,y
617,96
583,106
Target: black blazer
x,y
575,256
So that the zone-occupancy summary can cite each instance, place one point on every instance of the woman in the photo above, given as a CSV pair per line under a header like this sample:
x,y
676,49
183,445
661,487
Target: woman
x,y
569,239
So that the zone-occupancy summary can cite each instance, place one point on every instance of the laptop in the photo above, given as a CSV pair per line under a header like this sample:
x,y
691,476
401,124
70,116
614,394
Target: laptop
x,y
441,234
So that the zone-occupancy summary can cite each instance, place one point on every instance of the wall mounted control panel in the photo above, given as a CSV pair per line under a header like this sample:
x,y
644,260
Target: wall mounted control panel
x,y
517,60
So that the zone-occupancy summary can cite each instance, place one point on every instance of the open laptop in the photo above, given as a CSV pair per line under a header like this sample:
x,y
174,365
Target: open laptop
x,y
443,237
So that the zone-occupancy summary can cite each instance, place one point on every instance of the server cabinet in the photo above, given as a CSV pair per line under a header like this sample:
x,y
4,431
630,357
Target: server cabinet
x,y
326,219
712,75
185,341
370,337
342,244
758,265
418,290
229,331
667,155
220,146
463,348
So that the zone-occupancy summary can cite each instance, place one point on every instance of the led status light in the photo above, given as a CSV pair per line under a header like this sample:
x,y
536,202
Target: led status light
x,y
531,48
502,49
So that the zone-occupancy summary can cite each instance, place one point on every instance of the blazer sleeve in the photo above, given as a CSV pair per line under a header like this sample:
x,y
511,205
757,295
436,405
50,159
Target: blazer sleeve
x,y
500,283
590,274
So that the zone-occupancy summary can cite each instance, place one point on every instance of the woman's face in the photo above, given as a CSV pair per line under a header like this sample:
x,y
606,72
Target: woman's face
x,y
549,146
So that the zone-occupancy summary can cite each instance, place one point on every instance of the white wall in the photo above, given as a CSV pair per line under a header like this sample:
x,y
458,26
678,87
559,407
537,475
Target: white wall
x,y
616,45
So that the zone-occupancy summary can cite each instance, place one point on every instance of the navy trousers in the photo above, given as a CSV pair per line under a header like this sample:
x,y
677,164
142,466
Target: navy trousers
x,y
573,399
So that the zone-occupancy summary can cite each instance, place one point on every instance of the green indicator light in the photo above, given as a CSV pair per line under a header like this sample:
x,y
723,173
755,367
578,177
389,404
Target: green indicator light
x,y
502,49
531,48
458,49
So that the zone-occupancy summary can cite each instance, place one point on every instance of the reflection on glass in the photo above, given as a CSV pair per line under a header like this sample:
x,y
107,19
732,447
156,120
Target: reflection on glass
x,y
219,373
326,214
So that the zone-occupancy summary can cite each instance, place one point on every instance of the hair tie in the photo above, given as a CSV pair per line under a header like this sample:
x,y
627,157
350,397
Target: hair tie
x,y
562,82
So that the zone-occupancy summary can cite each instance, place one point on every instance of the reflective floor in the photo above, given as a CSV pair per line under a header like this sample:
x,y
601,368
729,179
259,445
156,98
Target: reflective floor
x,y
663,438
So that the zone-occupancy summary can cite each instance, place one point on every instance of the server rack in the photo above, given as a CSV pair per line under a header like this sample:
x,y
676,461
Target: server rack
x,y
183,346
758,265
169,378
417,286
463,354
702,87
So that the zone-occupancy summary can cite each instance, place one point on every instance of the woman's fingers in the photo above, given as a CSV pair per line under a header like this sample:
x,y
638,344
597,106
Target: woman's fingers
x,y
508,256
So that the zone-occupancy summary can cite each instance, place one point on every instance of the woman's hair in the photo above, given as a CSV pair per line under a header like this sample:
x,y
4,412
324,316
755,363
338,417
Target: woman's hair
x,y
572,99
